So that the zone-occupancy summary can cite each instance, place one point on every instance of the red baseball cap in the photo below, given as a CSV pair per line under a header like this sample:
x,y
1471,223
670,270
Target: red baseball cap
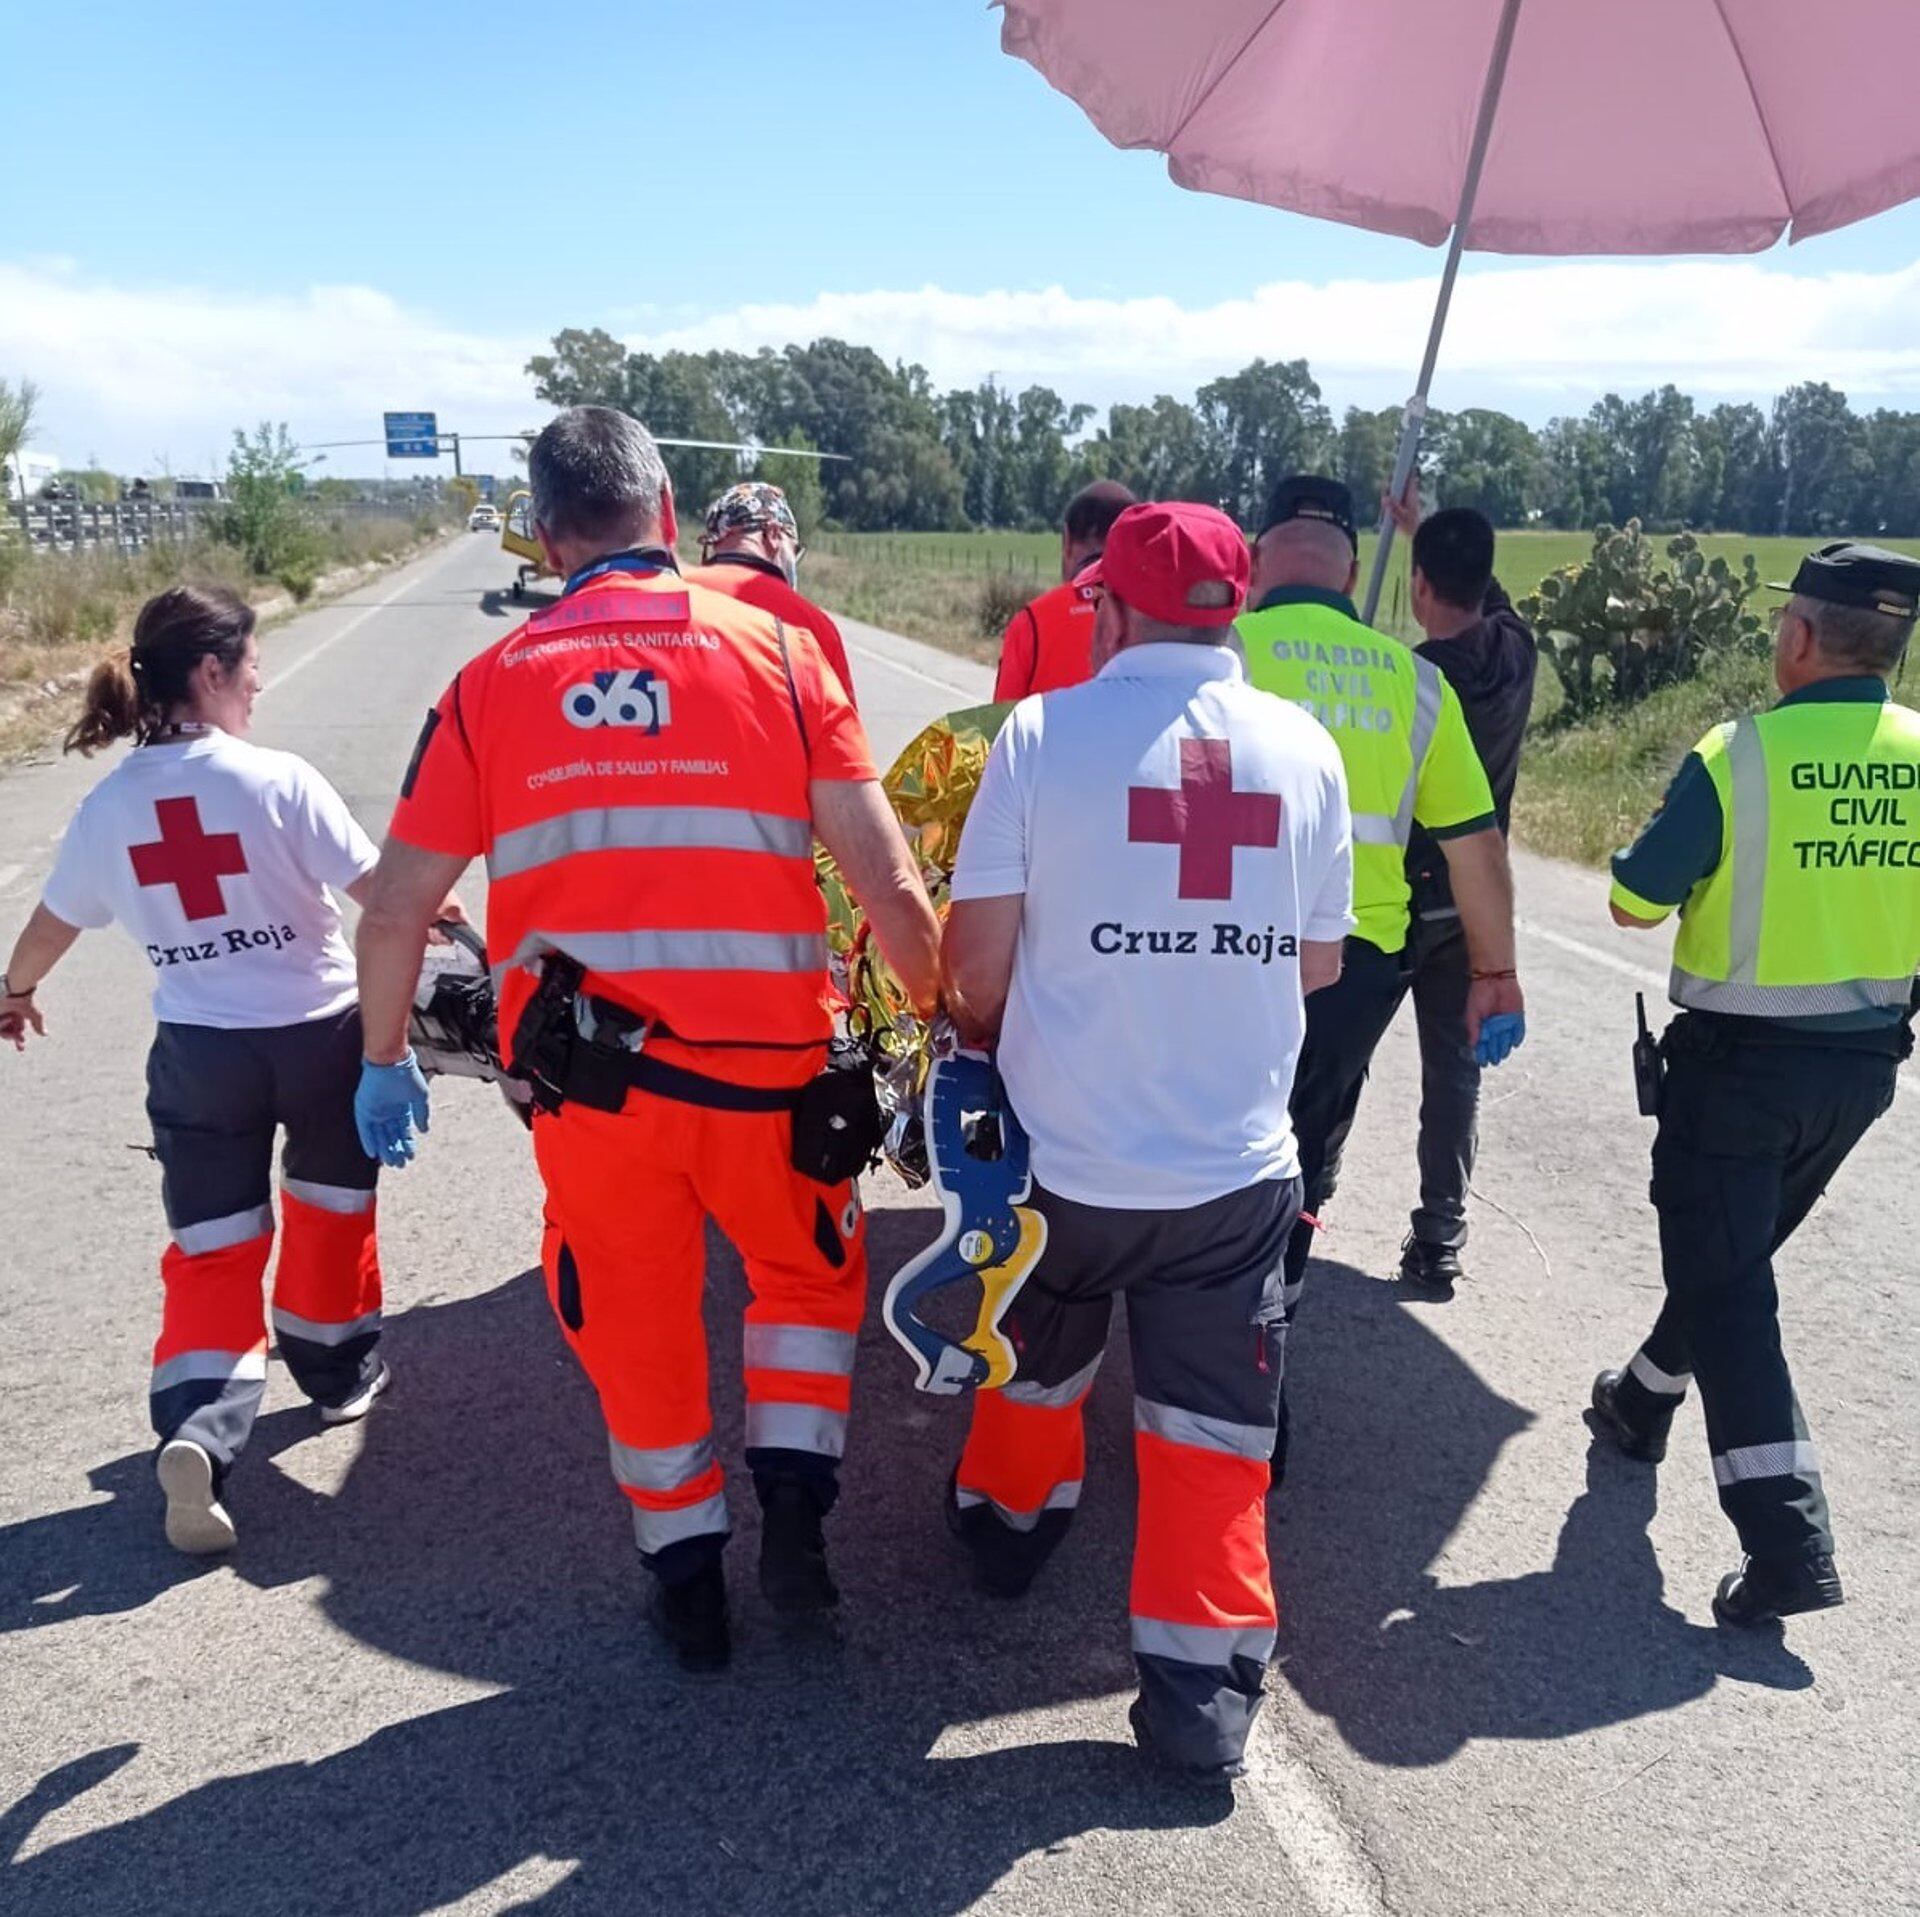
x,y
1180,563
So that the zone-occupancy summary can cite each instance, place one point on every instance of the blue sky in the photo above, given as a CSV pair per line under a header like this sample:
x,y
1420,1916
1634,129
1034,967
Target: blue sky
x,y
275,180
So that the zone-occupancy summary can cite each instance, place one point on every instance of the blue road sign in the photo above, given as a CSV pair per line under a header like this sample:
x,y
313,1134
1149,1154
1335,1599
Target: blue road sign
x,y
412,435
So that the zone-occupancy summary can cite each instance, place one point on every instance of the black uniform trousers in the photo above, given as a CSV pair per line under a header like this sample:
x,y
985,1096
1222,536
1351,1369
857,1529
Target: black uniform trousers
x,y
1754,1124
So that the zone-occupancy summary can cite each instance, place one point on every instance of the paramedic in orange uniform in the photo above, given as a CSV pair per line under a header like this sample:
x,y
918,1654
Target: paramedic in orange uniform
x,y
644,767
751,551
1049,643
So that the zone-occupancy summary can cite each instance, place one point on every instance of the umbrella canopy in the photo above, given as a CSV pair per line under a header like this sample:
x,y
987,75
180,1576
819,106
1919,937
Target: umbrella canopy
x,y
1624,126
1509,126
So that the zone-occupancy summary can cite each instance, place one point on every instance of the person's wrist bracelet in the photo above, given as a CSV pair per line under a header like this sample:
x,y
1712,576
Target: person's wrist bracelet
x,y
7,988
1506,974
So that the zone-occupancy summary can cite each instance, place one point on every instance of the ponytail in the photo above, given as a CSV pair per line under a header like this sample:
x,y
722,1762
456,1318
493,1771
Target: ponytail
x,y
132,694
112,709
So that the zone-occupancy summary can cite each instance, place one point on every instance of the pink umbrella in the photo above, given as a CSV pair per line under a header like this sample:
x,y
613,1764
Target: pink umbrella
x,y
1508,126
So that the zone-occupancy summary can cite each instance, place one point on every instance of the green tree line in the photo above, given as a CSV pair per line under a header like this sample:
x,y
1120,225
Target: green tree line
x,y
920,460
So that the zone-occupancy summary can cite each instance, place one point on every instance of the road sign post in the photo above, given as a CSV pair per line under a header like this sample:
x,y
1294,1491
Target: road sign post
x,y
412,435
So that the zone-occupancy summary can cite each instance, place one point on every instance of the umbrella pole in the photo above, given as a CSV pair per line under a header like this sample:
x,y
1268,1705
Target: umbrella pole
x,y
1415,414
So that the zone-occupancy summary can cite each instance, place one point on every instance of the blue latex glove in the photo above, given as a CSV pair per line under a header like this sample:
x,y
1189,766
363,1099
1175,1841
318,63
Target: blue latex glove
x,y
389,1106
1501,1035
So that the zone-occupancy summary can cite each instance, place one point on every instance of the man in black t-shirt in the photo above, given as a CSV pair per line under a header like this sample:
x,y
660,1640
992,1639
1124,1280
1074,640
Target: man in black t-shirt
x,y
1488,655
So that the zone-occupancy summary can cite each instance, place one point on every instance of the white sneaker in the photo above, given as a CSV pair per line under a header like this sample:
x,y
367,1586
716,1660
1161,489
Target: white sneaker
x,y
196,1520
357,1407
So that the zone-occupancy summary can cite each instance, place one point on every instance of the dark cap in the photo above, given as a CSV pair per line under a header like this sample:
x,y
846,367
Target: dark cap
x,y
1847,574
1180,563
1311,496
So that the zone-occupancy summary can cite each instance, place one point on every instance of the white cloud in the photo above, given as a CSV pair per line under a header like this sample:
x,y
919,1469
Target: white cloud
x,y
130,371
127,373
1542,339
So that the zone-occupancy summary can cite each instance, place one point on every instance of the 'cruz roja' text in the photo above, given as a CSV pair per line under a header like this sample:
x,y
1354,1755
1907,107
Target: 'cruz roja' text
x,y
1263,944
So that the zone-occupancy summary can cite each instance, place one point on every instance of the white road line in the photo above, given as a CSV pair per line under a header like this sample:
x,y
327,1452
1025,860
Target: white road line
x,y
1533,929
911,672
1294,1802
352,626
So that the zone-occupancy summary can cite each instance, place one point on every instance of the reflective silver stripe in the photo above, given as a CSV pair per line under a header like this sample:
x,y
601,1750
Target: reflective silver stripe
x,y
1204,1433
798,1348
1429,690
797,1427
1063,1497
1744,999
289,1325
1209,1644
655,1530
1794,1459
662,1467
344,1199
1747,763
1056,1397
1663,1384
222,1234
707,951
646,828
191,1367
1375,828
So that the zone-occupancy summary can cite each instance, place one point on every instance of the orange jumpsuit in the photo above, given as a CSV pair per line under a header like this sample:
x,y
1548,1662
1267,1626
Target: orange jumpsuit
x,y
756,583
1048,643
634,765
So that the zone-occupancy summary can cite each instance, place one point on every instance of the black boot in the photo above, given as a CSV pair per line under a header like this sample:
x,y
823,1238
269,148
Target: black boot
x,y
1431,1267
1637,1435
691,1614
793,1551
1766,1588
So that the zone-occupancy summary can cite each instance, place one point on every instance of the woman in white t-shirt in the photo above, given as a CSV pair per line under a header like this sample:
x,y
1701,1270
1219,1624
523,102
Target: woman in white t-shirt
x,y
221,859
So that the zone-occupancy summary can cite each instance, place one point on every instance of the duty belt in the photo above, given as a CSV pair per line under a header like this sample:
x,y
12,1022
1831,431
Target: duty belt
x,y
573,1048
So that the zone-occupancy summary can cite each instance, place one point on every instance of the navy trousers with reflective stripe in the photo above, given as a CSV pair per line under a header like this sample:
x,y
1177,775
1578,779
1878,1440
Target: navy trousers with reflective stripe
x,y
1205,1324
217,1099
1750,1136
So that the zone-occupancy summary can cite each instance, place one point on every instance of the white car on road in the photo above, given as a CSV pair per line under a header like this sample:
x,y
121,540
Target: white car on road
x,y
483,518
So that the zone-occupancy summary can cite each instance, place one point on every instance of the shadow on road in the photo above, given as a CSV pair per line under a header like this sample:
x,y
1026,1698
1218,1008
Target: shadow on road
x,y
498,602
478,1534
1394,1437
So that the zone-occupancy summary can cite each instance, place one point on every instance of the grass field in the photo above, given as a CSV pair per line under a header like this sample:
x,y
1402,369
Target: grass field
x,y
963,563
1583,790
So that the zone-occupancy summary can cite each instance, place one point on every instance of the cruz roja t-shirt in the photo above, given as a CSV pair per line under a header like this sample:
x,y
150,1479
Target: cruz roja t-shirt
x,y
216,856
1176,835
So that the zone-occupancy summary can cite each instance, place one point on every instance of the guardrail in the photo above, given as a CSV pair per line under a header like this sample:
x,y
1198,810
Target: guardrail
x,y
130,525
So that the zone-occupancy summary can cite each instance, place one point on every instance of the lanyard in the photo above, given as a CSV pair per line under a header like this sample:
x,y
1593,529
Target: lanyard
x,y
642,559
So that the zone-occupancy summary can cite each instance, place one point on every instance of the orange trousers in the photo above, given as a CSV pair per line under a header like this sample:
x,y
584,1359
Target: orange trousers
x,y
629,1195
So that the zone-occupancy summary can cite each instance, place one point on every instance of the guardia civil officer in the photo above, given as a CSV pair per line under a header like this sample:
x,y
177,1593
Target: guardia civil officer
x,y
222,860
1409,761
1790,842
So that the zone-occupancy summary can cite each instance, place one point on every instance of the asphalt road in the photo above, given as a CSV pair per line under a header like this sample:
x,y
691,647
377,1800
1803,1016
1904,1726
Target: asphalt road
x,y
422,1682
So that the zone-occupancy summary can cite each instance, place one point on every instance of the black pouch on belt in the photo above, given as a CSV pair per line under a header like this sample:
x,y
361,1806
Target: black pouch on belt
x,y
543,1040
837,1127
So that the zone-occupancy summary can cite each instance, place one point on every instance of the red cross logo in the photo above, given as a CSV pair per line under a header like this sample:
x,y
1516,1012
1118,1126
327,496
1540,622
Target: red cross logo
x,y
1206,818
189,859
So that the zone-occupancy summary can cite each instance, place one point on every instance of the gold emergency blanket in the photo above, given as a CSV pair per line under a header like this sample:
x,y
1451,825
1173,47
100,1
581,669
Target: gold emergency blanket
x,y
931,786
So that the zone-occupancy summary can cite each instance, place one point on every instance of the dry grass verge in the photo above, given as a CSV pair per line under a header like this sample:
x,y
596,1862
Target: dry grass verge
x,y
60,611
